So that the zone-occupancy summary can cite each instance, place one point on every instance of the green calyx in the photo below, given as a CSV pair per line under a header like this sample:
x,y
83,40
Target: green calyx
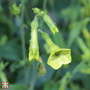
x,y
15,9
34,49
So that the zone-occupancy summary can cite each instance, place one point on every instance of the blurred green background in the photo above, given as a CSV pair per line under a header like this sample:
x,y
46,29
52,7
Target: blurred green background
x,y
72,17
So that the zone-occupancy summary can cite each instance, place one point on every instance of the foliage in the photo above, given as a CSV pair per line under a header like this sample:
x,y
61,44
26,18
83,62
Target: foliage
x,y
71,17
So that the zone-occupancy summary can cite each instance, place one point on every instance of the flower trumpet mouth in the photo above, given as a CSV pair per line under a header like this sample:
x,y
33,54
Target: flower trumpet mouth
x,y
59,57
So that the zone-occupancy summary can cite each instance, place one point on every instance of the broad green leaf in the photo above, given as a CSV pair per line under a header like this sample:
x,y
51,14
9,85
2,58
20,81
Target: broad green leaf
x,y
51,86
86,56
64,81
3,65
59,40
7,52
83,67
86,35
3,77
82,46
67,13
3,40
48,85
16,65
74,86
74,34
75,13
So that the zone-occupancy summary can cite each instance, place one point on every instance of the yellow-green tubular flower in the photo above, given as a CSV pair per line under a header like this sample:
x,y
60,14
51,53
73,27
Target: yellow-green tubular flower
x,y
34,49
15,9
50,23
57,56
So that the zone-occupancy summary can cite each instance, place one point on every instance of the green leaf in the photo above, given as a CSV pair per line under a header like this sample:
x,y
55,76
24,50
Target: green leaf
x,y
16,65
51,86
60,42
83,67
3,65
74,86
15,87
47,85
3,77
64,81
74,34
8,52
3,40
82,46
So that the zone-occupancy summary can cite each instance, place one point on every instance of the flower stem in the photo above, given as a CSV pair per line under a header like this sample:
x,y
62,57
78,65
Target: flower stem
x,y
44,4
22,36
22,31
44,7
17,17
33,82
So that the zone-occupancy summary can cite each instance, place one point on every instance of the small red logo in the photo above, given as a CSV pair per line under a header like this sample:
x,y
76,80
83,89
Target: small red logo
x,y
5,85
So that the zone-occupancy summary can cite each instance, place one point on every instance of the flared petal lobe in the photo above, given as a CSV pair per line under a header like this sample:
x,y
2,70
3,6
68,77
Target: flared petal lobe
x,y
60,57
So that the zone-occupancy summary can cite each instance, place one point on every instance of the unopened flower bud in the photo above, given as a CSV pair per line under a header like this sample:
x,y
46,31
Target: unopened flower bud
x,y
15,9
36,10
41,68
50,23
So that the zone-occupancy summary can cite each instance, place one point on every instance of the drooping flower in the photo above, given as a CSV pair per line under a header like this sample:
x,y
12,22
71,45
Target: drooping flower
x,y
34,49
58,56
47,20
50,23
